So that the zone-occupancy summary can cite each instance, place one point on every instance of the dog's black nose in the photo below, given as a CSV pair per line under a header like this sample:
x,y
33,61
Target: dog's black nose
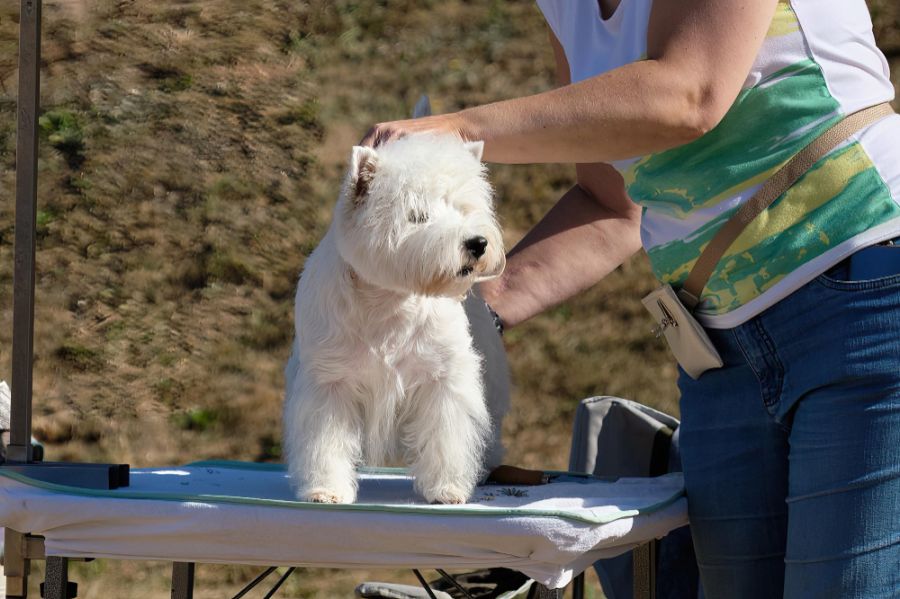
x,y
476,246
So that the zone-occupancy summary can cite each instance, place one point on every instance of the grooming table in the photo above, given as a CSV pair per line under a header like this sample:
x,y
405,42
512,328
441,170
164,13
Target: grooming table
x,y
243,513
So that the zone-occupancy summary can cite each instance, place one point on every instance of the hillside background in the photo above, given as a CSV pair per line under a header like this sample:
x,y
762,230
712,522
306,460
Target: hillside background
x,y
191,153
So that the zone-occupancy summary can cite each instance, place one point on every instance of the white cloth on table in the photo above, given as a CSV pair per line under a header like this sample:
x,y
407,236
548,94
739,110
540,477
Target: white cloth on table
x,y
241,513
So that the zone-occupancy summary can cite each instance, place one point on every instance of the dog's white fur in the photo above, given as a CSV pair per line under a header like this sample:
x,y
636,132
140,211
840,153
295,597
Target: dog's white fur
x,y
383,366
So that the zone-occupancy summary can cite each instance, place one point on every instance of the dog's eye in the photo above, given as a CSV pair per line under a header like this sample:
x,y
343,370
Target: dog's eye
x,y
417,217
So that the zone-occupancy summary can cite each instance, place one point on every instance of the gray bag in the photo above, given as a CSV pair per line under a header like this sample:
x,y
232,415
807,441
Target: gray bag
x,y
618,437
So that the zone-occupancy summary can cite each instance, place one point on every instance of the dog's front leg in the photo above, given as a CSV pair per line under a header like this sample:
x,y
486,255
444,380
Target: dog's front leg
x,y
322,442
445,437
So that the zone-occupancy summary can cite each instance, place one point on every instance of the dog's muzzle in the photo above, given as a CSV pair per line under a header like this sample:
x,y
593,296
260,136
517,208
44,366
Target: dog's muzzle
x,y
493,274
476,251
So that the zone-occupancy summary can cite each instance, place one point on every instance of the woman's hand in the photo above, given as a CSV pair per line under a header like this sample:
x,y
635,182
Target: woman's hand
x,y
451,123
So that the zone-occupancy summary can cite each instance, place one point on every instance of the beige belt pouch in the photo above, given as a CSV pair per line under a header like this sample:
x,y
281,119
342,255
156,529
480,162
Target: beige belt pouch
x,y
686,338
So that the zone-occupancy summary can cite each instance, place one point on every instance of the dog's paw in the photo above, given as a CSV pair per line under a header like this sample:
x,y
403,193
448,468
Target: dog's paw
x,y
448,495
325,496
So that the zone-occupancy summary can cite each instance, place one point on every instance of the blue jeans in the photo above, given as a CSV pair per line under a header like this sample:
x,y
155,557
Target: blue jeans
x,y
791,451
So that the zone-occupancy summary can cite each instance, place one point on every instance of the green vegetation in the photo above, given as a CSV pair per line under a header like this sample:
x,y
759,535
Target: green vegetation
x,y
62,130
198,419
80,357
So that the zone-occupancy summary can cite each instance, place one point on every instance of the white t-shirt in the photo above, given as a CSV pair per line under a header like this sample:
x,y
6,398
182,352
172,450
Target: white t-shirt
x,y
817,64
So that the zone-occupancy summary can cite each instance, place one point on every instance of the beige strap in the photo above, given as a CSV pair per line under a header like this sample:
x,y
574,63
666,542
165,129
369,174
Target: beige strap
x,y
771,190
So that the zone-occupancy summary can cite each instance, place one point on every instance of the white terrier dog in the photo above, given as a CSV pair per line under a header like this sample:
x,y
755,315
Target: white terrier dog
x,y
383,366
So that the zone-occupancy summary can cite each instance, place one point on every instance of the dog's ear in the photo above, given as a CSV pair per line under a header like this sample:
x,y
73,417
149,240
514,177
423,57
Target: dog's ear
x,y
476,148
362,168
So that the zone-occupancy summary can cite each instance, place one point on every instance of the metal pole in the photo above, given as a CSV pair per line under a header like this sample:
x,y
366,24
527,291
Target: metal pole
x,y
644,569
56,579
27,107
539,591
16,565
19,455
182,580
578,587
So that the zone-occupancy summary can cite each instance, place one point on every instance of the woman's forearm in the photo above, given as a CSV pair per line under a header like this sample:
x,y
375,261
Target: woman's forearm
x,y
575,245
638,109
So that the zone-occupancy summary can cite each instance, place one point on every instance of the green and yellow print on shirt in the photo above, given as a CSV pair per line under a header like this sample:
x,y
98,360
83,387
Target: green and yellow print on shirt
x,y
840,197
817,64
695,188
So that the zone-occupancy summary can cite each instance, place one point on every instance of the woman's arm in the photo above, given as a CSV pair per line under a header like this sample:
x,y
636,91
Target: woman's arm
x,y
590,231
577,243
699,54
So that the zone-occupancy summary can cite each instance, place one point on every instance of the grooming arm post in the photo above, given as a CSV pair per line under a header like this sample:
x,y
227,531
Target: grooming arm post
x,y
26,212
19,455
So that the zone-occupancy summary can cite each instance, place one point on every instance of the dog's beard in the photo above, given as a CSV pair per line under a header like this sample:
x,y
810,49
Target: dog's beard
x,y
456,284
480,272
493,273
488,267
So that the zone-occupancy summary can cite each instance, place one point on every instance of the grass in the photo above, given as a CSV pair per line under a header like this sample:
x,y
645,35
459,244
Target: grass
x,y
191,155
196,419
80,357
62,130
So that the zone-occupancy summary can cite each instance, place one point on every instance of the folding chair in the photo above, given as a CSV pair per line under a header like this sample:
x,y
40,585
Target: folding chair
x,y
614,437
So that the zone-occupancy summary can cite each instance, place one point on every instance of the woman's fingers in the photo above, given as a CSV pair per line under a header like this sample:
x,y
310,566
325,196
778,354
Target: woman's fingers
x,y
382,133
379,135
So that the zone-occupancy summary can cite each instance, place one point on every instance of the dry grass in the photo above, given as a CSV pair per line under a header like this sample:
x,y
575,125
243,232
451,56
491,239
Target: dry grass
x,y
191,152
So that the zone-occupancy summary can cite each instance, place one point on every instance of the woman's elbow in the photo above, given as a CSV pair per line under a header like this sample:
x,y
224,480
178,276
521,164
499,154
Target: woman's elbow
x,y
702,109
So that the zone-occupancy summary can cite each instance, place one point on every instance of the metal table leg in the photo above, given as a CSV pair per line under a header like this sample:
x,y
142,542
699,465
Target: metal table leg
x,y
56,580
644,560
578,587
183,580
539,591
15,565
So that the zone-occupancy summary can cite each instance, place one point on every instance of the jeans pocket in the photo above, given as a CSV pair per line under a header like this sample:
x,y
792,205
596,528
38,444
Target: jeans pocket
x,y
871,268
842,284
